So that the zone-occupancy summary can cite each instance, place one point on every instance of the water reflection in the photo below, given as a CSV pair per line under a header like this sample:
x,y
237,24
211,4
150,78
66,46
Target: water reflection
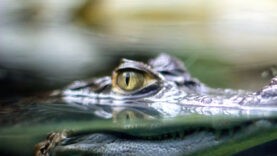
x,y
44,45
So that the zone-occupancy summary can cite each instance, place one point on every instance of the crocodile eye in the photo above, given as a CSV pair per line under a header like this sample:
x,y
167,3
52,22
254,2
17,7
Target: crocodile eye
x,y
136,79
130,80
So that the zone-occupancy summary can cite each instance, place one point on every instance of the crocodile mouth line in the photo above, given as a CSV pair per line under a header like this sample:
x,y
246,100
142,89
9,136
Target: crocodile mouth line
x,y
181,133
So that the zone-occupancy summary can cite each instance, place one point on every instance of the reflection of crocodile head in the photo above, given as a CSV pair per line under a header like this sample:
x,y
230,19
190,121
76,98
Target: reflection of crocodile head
x,y
163,91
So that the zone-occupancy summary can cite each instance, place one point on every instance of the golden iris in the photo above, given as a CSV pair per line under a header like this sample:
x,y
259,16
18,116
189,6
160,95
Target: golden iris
x,y
130,80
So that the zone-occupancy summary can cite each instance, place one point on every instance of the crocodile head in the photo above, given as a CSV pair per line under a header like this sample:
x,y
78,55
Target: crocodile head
x,y
165,88
162,109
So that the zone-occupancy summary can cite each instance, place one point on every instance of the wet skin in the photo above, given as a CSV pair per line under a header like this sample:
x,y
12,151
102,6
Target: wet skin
x,y
159,109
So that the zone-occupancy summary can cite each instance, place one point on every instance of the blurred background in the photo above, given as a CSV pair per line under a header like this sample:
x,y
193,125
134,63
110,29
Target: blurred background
x,y
45,45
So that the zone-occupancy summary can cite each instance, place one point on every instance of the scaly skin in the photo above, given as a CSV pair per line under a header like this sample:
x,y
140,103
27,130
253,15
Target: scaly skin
x,y
174,115
183,115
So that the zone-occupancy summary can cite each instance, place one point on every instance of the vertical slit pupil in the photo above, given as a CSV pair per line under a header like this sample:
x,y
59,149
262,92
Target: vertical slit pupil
x,y
127,79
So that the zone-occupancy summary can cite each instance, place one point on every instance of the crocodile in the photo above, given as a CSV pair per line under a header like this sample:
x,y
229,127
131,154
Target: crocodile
x,y
163,110
158,108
